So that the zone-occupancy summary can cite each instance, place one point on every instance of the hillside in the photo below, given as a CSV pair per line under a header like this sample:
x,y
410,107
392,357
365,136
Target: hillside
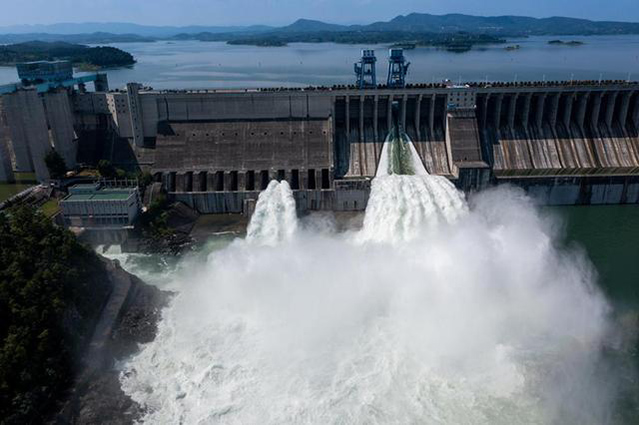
x,y
79,55
498,25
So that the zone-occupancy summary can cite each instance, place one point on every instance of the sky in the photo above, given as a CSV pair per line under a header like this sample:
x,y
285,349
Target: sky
x,y
281,12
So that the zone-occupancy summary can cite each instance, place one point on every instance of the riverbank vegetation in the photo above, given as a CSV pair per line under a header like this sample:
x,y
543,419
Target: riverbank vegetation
x,y
80,55
51,291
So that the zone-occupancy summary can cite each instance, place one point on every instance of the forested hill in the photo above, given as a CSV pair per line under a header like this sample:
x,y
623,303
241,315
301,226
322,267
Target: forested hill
x,y
51,292
499,25
79,55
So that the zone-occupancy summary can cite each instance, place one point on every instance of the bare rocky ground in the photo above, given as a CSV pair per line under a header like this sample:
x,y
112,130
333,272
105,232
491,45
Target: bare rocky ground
x,y
97,397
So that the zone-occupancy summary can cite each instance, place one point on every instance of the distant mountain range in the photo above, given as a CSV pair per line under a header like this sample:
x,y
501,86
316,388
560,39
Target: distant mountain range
x,y
124,28
498,25
415,23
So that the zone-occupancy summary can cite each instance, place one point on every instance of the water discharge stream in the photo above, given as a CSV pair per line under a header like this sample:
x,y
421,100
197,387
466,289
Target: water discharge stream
x,y
434,312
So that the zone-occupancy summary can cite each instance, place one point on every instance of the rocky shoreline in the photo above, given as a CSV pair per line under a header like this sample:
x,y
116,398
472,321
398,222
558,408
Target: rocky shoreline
x,y
96,397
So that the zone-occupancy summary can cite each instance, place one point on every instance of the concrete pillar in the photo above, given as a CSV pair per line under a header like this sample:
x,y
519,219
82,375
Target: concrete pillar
x,y
635,113
180,182
623,110
210,181
197,181
318,179
348,118
539,115
512,109
581,109
554,109
610,107
484,112
525,113
418,117
29,132
567,112
497,117
241,181
431,115
60,117
166,181
389,117
361,119
375,117
404,107
596,109
135,113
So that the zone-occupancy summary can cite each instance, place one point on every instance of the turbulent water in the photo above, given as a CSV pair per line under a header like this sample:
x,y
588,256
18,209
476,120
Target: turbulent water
x,y
434,312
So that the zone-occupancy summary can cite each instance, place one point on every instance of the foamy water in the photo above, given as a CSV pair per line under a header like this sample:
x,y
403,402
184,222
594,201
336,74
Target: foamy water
x,y
435,312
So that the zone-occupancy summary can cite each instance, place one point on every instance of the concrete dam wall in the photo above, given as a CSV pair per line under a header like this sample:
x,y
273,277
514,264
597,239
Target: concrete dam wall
x,y
566,143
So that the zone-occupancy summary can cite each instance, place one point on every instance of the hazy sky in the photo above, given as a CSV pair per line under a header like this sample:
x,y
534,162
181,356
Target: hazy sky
x,y
232,12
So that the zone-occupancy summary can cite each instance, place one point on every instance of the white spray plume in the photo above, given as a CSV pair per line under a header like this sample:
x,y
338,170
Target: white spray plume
x,y
434,313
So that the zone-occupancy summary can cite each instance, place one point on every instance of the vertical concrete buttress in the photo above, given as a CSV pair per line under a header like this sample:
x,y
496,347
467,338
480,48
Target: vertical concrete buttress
x,y
362,99
28,131
525,114
389,113
596,109
431,116
135,113
484,112
512,109
567,113
498,106
418,116
623,109
376,117
581,110
554,109
610,107
60,117
348,118
404,107
539,114
635,113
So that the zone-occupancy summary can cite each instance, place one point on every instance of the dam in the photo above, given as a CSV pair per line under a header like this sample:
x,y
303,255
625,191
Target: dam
x,y
565,143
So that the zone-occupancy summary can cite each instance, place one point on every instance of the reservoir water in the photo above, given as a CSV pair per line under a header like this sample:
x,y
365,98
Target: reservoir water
x,y
194,64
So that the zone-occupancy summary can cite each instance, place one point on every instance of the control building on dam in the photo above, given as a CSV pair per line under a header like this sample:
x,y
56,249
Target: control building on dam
x,y
565,143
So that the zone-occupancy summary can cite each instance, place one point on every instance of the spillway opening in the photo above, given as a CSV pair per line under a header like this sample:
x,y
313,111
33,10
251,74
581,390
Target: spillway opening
x,y
311,179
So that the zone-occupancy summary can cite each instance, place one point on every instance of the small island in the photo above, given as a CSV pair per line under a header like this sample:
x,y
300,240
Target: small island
x,y
81,56
566,43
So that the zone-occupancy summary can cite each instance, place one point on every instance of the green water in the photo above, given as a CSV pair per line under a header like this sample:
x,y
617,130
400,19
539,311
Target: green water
x,y
610,236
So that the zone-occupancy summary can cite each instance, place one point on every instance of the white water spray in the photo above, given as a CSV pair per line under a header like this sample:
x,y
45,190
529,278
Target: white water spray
x,y
431,314
275,217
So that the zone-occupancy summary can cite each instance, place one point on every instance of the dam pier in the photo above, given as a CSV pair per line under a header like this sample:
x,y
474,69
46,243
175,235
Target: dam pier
x,y
565,143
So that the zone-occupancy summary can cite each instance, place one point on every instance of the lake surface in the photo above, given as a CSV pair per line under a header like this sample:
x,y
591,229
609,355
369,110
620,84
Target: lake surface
x,y
195,64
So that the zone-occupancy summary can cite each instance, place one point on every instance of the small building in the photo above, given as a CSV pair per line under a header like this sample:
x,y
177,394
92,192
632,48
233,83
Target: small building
x,y
45,71
93,206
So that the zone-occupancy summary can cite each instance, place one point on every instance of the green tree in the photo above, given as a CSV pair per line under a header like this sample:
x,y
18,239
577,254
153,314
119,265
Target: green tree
x,y
106,169
55,164
51,291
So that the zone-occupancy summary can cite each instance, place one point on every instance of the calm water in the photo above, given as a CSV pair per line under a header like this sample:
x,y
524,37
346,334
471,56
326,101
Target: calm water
x,y
194,64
